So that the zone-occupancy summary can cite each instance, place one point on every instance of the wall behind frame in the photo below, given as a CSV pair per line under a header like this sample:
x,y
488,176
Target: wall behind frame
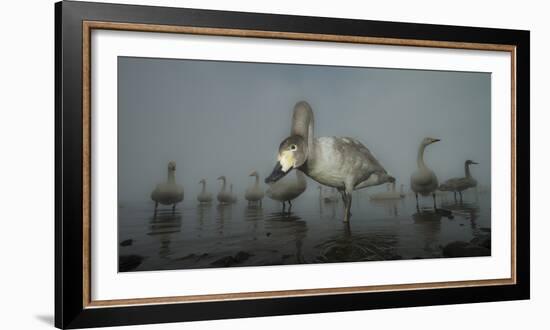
x,y
27,151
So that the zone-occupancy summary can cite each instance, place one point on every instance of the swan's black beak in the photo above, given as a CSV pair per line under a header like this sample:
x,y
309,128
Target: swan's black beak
x,y
475,163
276,174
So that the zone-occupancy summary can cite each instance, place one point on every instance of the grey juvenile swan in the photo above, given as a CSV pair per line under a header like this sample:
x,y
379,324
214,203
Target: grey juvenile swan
x,y
460,184
424,180
340,162
204,197
254,194
168,193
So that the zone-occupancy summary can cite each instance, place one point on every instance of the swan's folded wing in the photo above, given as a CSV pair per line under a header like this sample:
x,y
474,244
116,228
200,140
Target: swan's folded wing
x,y
366,153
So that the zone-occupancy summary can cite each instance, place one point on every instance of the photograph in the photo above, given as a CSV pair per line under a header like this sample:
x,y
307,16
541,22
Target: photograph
x,y
243,164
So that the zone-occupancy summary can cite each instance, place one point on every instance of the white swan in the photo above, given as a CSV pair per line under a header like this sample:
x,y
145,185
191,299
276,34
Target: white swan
x,y
287,190
232,195
340,162
204,197
424,180
223,196
389,194
168,193
460,184
254,194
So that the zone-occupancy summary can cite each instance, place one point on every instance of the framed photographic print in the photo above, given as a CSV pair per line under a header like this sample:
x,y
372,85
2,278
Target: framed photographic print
x,y
218,164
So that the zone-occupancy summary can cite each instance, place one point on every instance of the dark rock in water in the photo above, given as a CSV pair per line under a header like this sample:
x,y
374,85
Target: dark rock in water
x,y
242,256
224,262
230,260
268,234
129,262
127,242
193,256
484,241
464,249
189,256
446,213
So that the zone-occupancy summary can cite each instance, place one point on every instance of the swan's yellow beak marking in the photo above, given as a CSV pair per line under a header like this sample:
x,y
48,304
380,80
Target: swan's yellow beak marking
x,y
286,158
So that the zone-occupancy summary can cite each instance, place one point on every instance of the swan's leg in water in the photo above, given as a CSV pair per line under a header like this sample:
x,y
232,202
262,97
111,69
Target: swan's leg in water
x,y
435,206
347,209
343,193
174,207
344,198
283,207
460,193
416,194
290,206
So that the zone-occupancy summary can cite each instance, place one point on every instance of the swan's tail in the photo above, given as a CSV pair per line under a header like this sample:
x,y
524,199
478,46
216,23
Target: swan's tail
x,y
388,178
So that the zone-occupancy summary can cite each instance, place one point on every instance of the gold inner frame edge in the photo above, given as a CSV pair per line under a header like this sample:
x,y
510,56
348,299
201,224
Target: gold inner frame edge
x,y
88,26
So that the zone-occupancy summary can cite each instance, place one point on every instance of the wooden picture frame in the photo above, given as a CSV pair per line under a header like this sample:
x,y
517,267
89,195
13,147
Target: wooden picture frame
x,y
75,308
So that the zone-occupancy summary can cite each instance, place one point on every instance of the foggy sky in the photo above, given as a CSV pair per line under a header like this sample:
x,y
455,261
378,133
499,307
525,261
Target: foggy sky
x,y
227,118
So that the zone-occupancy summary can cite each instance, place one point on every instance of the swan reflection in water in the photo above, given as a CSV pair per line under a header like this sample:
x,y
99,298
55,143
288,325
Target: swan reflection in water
x,y
224,213
467,210
162,226
347,245
292,230
197,236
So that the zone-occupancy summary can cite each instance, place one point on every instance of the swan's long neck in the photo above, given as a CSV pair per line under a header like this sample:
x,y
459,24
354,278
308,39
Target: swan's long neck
x,y
467,170
223,184
171,176
420,157
231,188
203,187
302,123
257,184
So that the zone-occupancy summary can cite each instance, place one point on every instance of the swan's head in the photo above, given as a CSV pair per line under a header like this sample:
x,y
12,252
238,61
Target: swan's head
x,y
470,162
171,165
202,181
254,173
429,140
221,178
292,154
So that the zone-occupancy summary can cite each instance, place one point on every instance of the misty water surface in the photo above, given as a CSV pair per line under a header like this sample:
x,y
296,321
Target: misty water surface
x,y
200,236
